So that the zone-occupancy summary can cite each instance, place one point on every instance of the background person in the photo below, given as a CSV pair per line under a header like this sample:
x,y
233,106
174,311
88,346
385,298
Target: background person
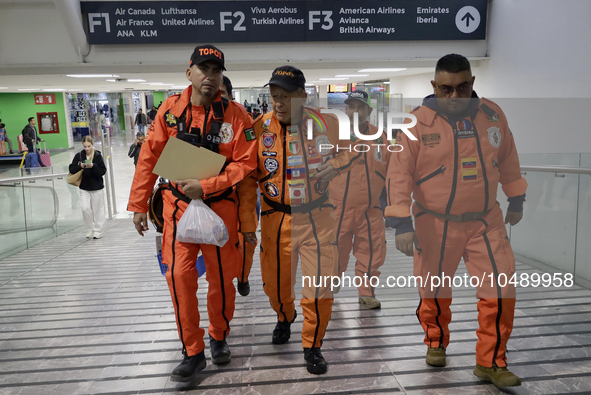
x,y
141,121
152,114
198,115
464,148
135,148
92,200
31,138
359,218
6,138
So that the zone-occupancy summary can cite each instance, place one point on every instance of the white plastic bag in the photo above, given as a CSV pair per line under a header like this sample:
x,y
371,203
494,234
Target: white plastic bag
x,y
201,225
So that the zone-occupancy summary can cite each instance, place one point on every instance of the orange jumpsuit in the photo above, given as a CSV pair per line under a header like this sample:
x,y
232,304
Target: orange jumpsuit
x,y
222,264
359,217
246,250
453,170
297,216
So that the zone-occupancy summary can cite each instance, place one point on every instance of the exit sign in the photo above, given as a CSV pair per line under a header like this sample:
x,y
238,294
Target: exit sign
x,y
45,99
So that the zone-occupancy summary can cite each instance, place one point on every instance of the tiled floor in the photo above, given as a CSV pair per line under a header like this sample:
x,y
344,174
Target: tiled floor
x,y
82,316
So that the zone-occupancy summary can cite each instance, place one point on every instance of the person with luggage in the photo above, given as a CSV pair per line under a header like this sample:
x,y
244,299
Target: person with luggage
x,y
199,116
31,138
92,200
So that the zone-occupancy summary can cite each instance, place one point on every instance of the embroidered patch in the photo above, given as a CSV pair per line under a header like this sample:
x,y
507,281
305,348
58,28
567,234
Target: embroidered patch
x,y
323,145
470,175
293,161
170,119
314,163
269,153
226,132
494,136
297,190
271,189
294,147
249,134
429,140
266,124
311,150
293,130
269,139
299,172
468,163
494,118
271,165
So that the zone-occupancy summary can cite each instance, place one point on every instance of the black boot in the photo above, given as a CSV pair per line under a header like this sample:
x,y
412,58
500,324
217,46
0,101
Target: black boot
x,y
188,367
282,331
220,351
315,362
243,288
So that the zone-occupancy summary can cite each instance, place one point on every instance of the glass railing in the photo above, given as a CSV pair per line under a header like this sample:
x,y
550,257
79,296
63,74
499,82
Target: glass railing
x,y
36,205
556,226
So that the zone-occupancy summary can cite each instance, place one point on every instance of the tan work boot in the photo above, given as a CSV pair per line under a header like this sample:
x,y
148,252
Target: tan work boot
x,y
501,377
370,302
435,356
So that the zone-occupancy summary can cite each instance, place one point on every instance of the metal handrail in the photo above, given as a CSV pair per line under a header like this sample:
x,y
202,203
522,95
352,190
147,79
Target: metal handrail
x,y
557,169
27,178
27,228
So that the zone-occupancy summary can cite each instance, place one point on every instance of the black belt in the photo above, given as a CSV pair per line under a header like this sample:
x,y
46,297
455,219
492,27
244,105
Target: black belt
x,y
302,208
224,195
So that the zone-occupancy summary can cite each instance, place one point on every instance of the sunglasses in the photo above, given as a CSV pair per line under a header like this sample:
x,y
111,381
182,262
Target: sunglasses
x,y
462,89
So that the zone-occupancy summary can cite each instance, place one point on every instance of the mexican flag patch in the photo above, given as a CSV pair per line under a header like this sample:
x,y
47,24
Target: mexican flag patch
x,y
249,133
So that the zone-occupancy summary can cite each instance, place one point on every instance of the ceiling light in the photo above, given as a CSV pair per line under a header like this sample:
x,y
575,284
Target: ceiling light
x,y
136,80
178,87
386,82
352,75
112,80
54,90
92,75
3,87
75,90
380,70
156,84
332,79
29,90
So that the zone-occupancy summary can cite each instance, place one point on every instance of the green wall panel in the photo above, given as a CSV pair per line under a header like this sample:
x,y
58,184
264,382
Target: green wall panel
x,y
16,108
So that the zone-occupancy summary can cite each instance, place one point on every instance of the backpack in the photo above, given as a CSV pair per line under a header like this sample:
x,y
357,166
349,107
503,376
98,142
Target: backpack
x,y
156,206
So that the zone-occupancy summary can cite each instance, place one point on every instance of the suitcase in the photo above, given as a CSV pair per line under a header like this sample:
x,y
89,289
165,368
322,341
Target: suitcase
x,y
31,160
45,157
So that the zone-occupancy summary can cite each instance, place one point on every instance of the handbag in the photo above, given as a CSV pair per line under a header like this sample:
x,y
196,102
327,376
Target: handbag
x,y
76,178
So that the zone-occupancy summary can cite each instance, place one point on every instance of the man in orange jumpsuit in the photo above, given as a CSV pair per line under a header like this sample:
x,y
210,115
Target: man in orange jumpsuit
x,y
464,148
297,217
201,117
359,218
246,249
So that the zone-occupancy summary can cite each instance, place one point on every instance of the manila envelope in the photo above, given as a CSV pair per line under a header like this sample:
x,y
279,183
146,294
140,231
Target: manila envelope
x,y
181,161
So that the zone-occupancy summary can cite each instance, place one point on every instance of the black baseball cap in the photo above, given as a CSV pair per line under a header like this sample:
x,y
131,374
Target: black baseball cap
x,y
203,53
362,96
228,84
288,77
